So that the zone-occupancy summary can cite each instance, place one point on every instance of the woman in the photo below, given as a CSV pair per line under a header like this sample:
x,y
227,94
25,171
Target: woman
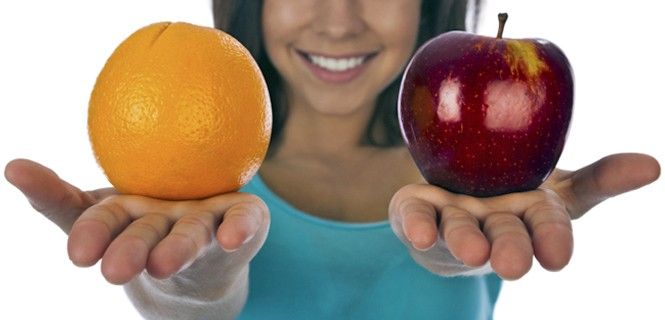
x,y
336,189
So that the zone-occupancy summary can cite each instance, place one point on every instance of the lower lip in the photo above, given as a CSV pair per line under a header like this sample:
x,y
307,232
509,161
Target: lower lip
x,y
335,77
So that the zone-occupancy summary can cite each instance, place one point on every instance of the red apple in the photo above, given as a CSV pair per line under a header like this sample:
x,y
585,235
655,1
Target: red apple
x,y
486,116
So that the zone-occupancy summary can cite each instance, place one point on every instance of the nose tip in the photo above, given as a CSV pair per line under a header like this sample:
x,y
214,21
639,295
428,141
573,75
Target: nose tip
x,y
340,18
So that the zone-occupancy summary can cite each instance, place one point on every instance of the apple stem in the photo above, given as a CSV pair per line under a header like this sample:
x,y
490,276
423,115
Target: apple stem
x,y
502,23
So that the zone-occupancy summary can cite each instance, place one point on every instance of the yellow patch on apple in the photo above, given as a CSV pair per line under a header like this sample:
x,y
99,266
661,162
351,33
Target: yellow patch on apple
x,y
523,57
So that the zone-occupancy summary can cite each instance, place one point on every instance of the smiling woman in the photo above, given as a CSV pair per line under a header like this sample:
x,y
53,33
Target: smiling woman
x,y
334,66
335,244
308,43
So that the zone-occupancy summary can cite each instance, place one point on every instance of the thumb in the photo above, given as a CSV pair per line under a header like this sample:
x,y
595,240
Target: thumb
x,y
57,200
608,177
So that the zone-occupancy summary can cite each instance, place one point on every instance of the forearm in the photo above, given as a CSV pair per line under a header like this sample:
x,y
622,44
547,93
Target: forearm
x,y
205,290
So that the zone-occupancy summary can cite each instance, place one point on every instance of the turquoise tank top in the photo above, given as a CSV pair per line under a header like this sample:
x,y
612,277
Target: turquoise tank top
x,y
314,268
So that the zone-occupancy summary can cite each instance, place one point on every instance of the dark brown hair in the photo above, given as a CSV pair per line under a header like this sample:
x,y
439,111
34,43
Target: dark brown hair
x,y
242,19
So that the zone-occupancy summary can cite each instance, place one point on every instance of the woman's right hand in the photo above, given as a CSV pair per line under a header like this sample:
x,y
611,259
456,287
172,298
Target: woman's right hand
x,y
134,233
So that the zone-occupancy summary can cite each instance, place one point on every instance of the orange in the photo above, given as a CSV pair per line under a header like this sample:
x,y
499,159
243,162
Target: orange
x,y
179,112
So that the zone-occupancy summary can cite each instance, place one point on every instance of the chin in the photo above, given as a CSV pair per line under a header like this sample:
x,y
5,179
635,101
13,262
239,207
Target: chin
x,y
338,109
334,105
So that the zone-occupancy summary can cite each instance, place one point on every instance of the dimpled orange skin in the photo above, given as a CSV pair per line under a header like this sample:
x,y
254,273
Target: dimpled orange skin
x,y
179,112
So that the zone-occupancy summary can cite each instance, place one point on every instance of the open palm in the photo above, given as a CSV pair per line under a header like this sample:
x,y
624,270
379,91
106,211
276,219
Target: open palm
x,y
509,230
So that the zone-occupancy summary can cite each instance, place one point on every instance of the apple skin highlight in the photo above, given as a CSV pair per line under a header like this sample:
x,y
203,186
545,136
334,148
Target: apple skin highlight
x,y
486,116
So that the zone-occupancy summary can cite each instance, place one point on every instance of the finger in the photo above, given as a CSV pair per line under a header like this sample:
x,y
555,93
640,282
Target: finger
x,y
480,208
511,254
419,223
186,241
92,233
192,234
239,226
608,177
128,254
462,234
551,234
57,200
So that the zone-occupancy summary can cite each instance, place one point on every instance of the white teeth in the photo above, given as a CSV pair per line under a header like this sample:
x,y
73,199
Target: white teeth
x,y
337,65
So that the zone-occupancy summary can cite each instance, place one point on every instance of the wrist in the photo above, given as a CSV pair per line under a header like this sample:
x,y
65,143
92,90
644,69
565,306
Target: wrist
x,y
180,297
215,285
210,276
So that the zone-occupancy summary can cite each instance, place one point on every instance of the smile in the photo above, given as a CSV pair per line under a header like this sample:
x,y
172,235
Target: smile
x,y
336,69
339,65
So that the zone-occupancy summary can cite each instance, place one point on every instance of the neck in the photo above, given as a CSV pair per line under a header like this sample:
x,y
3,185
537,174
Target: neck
x,y
309,133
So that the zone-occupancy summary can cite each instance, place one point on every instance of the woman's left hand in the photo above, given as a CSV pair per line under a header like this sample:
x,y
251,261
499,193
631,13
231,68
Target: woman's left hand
x,y
509,230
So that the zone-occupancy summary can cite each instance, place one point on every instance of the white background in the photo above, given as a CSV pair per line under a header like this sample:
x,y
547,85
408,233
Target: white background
x,y
51,52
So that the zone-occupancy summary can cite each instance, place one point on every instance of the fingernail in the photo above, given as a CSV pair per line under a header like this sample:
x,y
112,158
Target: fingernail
x,y
413,244
425,249
249,239
185,266
230,250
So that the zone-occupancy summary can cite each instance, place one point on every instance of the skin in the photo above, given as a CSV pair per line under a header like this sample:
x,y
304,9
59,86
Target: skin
x,y
130,234
326,121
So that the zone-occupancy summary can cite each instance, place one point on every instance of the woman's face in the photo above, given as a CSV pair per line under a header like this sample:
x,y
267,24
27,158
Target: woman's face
x,y
338,55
